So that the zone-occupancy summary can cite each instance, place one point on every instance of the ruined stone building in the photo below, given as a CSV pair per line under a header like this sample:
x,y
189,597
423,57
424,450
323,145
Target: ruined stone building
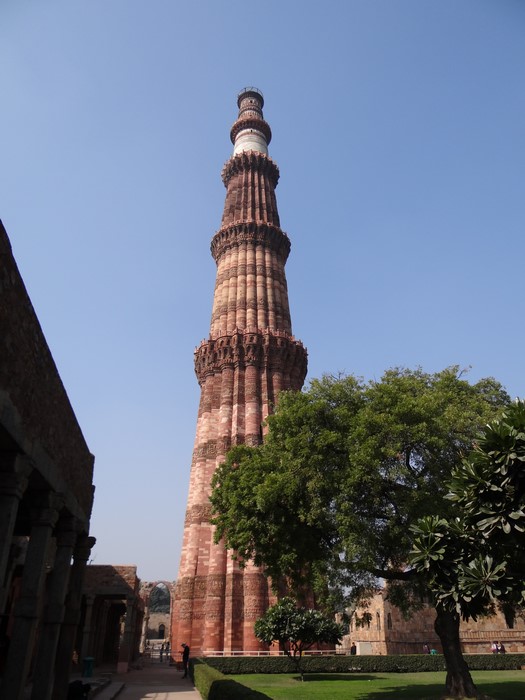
x,y
380,628
157,597
249,356
46,496
110,626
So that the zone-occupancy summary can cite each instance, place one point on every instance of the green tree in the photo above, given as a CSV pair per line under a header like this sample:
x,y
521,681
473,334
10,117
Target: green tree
x,y
159,599
346,467
489,487
296,629
477,559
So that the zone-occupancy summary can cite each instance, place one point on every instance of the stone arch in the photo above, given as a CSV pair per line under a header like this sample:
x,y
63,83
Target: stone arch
x,y
158,597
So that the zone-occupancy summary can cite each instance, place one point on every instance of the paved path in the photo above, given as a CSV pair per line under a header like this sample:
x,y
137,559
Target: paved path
x,y
153,682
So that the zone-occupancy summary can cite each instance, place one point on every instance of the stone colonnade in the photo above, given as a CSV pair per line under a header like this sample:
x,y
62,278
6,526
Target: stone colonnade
x,y
112,617
43,555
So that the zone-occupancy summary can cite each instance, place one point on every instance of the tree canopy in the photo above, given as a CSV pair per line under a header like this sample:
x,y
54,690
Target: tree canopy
x,y
477,558
347,466
296,629
159,599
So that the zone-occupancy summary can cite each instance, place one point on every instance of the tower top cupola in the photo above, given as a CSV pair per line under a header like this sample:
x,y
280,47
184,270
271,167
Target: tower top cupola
x,y
250,132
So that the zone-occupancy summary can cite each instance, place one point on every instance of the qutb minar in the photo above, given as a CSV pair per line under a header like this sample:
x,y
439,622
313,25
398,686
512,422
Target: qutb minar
x,y
249,357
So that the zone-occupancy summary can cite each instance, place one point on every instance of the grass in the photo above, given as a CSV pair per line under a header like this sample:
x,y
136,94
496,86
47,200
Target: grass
x,y
500,685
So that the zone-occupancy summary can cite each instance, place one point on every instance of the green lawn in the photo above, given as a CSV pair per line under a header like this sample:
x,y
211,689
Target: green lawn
x,y
500,685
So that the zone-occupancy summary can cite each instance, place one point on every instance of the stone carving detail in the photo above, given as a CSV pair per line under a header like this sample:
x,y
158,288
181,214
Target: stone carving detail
x,y
275,276
216,585
272,350
216,613
252,440
198,513
254,233
185,610
253,612
184,588
206,449
251,160
199,590
254,584
223,444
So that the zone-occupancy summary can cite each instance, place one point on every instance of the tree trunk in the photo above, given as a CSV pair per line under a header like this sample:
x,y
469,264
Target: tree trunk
x,y
459,682
298,663
296,658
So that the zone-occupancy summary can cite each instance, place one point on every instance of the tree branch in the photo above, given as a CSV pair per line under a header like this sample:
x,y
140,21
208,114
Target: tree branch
x,y
391,575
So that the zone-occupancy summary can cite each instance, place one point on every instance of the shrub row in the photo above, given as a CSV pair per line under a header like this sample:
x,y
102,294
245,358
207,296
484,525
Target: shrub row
x,y
214,685
236,665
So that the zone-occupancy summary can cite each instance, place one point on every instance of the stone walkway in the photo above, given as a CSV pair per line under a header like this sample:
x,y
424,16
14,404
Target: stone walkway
x,y
153,682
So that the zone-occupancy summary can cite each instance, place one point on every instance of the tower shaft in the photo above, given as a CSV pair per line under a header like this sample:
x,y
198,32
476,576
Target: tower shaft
x,y
248,358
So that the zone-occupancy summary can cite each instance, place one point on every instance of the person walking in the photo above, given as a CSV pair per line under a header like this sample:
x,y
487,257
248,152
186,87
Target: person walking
x,y
185,659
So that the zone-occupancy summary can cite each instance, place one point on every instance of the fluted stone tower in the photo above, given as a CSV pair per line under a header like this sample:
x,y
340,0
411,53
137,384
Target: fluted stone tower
x,y
248,358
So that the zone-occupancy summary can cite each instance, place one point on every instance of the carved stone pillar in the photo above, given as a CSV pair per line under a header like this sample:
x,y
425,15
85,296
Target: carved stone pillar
x,y
138,616
144,632
255,604
124,654
43,675
26,613
214,612
101,626
13,483
86,633
233,612
68,631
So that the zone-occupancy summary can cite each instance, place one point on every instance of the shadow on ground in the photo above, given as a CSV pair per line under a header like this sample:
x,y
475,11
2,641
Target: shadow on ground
x,y
226,688
510,690
513,690
335,677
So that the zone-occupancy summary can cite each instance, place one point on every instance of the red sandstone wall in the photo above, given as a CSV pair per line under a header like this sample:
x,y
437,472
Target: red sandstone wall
x,y
31,392
102,577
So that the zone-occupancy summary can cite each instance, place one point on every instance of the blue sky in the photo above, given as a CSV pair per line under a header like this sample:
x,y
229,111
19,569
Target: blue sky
x,y
399,133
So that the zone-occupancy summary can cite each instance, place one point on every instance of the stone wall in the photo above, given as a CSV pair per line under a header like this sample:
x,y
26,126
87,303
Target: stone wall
x,y
46,496
388,632
112,580
155,620
35,409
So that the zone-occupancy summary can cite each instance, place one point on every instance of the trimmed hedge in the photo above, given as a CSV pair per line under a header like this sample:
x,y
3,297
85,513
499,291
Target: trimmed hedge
x,y
214,685
339,663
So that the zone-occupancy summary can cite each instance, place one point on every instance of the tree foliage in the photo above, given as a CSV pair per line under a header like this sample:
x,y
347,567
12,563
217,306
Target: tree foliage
x,y
159,599
477,558
346,468
296,629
